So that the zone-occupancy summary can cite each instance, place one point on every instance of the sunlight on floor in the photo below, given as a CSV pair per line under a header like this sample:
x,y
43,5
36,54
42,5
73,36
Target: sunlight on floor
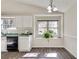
x,y
31,55
36,55
50,54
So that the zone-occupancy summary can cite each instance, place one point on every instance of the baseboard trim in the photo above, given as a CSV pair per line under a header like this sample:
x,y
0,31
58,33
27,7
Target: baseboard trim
x,y
48,47
73,57
4,51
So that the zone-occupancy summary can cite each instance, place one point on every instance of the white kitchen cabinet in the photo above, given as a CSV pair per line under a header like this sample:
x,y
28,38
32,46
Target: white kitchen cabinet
x,y
3,44
27,21
24,43
24,21
19,21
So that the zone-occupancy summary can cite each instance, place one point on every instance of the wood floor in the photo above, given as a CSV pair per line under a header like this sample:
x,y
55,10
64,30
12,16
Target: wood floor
x,y
61,54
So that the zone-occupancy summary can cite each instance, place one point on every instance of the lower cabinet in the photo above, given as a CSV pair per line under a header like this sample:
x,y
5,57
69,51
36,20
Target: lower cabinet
x,y
3,44
24,43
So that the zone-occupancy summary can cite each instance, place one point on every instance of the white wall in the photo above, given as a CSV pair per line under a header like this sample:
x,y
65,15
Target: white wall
x,y
44,43
70,30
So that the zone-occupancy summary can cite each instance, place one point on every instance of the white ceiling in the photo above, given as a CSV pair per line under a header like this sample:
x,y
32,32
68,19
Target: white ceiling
x,y
18,7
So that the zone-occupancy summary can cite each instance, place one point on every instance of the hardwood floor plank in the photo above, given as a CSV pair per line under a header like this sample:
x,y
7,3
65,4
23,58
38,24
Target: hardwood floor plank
x,y
61,54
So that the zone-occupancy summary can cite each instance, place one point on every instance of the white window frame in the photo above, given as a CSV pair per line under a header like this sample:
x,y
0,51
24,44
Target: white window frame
x,y
61,24
12,18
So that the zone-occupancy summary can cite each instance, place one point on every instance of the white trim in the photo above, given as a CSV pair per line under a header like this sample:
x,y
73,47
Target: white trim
x,y
62,28
7,17
70,36
70,52
48,15
4,51
47,46
50,38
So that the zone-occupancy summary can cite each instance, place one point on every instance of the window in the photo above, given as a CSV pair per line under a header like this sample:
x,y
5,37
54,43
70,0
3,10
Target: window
x,y
44,25
7,23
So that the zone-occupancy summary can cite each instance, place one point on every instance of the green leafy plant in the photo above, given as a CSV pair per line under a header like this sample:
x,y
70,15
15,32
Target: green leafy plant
x,y
48,34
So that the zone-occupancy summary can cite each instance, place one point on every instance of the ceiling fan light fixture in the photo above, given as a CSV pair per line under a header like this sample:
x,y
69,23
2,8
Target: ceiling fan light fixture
x,y
51,7
49,11
55,9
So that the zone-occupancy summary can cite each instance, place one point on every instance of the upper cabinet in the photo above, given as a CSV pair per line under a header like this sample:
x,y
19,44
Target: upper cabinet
x,y
24,21
19,21
27,21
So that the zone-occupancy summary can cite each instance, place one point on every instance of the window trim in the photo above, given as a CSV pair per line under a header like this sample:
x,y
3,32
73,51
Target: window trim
x,y
6,19
61,19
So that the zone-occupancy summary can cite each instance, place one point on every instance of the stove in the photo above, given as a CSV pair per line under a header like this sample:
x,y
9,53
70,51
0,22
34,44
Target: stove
x,y
12,43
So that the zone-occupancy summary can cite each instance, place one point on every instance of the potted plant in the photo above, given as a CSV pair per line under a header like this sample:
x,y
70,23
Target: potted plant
x,y
48,34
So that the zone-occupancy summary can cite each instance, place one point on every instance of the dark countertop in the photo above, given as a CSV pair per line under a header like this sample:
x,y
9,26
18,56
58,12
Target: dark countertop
x,y
15,34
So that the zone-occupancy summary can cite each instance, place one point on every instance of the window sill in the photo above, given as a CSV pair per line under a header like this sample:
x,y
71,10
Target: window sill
x,y
51,38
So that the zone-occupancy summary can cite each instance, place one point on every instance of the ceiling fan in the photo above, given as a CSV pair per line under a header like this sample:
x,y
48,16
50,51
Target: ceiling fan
x,y
51,6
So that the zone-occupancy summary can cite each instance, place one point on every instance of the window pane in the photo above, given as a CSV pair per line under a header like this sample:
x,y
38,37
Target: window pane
x,y
52,23
55,31
7,23
41,30
42,24
47,25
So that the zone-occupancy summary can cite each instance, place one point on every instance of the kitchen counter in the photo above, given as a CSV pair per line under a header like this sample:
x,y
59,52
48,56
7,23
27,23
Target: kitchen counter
x,y
16,34
24,42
